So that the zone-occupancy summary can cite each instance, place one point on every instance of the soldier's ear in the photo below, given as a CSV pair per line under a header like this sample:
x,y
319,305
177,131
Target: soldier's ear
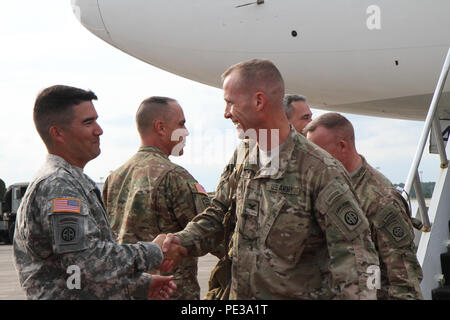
x,y
57,134
160,127
260,100
343,145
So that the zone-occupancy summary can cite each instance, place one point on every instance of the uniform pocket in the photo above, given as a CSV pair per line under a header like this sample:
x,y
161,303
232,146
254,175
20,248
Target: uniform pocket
x,y
286,231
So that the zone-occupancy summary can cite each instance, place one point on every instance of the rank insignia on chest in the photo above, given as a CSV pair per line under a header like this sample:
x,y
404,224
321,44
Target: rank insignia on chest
x,y
252,207
66,205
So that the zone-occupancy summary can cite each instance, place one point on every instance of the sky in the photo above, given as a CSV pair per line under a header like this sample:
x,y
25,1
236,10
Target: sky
x,y
43,44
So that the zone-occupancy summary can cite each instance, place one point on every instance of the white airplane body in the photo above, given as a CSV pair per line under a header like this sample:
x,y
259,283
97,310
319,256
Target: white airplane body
x,y
379,58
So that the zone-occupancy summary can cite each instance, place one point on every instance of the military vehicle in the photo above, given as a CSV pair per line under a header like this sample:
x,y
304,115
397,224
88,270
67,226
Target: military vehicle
x,y
9,204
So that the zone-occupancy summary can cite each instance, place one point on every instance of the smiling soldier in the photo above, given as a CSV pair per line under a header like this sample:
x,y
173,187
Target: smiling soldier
x,y
300,233
61,225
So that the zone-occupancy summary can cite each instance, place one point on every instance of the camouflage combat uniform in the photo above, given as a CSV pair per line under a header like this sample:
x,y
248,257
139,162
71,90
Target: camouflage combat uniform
x,y
300,233
62,223
392,234
150,195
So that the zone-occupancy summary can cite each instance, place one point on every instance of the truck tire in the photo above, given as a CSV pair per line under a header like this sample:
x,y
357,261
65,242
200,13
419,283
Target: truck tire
x,y
12,226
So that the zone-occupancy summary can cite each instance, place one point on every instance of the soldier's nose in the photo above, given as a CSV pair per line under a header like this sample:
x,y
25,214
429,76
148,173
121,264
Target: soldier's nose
x,y
98,131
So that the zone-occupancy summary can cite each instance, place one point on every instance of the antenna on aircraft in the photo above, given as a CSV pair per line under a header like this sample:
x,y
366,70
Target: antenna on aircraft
x,y
247,4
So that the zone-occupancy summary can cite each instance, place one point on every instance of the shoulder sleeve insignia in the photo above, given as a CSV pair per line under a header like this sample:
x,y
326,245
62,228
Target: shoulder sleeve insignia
x,y
399,233
338,204
66,205
200,189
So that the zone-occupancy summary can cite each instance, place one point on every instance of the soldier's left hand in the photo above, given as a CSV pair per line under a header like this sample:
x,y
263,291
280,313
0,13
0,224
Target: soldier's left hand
x,y
161,287
159,240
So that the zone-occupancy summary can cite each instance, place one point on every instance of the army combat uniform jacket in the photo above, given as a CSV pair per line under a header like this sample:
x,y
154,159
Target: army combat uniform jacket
x,y
300,233
64,247
149,195
392,234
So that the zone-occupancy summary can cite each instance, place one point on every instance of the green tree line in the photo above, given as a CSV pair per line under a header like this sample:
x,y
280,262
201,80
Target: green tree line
x,y
427,189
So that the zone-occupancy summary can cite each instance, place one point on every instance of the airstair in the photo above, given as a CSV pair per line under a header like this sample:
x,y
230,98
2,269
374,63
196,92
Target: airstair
x,y
433,239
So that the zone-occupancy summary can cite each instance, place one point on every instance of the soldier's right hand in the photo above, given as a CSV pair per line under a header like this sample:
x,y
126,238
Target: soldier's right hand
x,y
169,240
173,254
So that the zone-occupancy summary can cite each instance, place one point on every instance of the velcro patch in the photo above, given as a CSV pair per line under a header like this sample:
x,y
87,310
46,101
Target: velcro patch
x,y
347,214
69,232
332,196
337,202
276,187
399,232
200,188
66,205
252,207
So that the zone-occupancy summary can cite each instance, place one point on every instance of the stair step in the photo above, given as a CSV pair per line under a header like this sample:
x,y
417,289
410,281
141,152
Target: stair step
x,y
441,293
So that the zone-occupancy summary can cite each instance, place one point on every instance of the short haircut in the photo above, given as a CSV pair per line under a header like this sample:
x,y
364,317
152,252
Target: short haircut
x,y
258,72
152,109
287,103
332,121
54,107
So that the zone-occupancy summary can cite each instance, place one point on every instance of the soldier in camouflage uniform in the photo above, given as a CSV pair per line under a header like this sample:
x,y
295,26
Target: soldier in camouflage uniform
x,y
149,194
61,225
386,209
297,111
300,233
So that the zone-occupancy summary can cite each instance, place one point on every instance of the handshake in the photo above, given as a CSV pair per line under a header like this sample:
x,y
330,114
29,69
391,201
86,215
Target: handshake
x,y
172,250
162,287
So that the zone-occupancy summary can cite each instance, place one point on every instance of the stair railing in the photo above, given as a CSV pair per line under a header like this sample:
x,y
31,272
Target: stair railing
x,y
431,123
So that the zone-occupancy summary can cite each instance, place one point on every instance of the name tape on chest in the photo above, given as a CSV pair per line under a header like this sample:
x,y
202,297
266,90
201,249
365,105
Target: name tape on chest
x,y
286,189
66,205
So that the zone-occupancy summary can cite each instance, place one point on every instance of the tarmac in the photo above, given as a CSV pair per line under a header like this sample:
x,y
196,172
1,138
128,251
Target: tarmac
x,y
10,288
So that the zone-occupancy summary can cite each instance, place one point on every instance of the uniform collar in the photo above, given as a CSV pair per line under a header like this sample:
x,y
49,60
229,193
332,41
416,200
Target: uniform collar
x,y
359,174
153,149
54,161
285,154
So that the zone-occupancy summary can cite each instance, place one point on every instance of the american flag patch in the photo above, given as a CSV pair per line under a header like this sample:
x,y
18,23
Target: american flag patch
x,y
199,188
66,205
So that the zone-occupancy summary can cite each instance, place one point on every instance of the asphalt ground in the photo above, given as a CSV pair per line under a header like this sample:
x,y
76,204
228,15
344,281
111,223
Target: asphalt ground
x,y
10,288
